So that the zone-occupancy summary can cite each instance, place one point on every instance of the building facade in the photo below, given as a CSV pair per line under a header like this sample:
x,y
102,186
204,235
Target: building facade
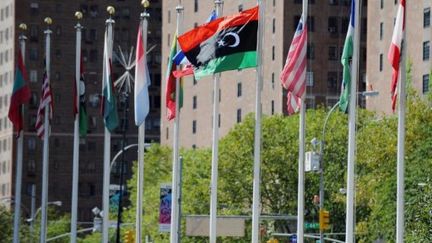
x,y
63,38
381,15
327,26
7,50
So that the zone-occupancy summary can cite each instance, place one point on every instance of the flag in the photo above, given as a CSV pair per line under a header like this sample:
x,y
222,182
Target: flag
x,y
170,91
346,61
395,50
224,44
83,121
46,99
20,95
142,81
293,75
180,58
108,103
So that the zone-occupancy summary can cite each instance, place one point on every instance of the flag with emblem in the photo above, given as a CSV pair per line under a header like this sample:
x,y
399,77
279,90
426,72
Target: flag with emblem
x,y
81,107
20,95
226,43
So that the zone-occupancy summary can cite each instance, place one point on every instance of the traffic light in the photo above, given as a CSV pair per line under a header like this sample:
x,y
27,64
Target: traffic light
x,y
129,236
324,219
273,240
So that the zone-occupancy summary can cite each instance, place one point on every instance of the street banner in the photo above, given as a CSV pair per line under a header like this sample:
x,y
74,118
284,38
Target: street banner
x,y
165,208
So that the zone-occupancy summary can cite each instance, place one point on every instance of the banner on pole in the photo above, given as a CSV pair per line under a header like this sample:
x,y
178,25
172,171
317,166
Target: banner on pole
x,y
165,208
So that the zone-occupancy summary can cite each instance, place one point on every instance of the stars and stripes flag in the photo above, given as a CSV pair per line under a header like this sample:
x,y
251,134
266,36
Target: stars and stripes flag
x,y
293,75
46,99
395,50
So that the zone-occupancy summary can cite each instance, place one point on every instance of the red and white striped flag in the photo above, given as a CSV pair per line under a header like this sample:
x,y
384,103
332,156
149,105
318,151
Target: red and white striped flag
x,y
46,99
395,49
293,75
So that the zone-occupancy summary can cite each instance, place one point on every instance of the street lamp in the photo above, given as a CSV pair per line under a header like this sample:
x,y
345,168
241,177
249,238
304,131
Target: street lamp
x,y
321,143
33,217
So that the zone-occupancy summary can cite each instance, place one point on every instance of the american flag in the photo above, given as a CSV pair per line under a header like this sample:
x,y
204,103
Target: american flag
x,y
293,75
46,99
395,50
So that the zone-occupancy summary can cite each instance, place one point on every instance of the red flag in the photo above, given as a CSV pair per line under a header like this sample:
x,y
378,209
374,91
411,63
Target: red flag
x,y
170,90
395,50
20,95
293,75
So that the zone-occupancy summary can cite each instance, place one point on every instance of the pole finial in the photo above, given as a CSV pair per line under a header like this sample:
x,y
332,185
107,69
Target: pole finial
x,y
145,3
111,10
22,26
78,15
48,20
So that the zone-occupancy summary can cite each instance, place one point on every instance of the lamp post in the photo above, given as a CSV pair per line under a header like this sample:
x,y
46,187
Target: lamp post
x,y
321,153
33,216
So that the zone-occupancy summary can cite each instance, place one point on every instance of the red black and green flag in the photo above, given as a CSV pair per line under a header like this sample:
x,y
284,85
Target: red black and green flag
x,y
20,95
83,120
227,43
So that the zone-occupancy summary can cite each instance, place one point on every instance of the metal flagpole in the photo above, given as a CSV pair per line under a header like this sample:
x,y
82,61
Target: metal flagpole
x,y
400,195
175,169
350,237
301,172
75,172
107,141
141,137
45,159
20,140
256,202
215,147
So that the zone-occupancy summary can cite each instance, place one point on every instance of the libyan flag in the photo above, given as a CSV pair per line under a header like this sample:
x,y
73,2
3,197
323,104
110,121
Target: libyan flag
x,y
224,44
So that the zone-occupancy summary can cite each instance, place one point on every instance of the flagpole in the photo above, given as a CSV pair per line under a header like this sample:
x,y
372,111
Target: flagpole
x,y
75,173
141,139
107,142
45,165
400,217
18,179
256,202
350,214
215,146
174,238
301,172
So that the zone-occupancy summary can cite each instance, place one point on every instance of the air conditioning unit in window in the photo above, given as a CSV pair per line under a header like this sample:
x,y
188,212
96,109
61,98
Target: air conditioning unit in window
x,y
332,2
332,29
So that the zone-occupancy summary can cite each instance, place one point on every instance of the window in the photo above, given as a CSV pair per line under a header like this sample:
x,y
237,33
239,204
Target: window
x,y
34,54
309,78
381,4
381,62
381,33
31,143
194,80
426,50
333,2
310,51
219,120
333,25
196,6
167,133
273,80
239,117
344,25
272,107
169,16
194,102
220,95
426,17
274,25
425,83
33,76
239,89
273,53
332,81
240,7
332,53
194,126
310,23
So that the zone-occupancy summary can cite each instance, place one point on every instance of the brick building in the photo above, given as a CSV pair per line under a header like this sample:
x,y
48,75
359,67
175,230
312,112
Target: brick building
x,y
62,79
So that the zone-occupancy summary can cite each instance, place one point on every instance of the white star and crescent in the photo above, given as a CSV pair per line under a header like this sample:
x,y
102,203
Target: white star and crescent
x,y
236,37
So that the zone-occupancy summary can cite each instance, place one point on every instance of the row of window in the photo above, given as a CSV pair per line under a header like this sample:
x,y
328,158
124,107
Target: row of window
x,y
5,124
6,56
5,78
6,34
6,12
5,167
382,3
5,189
